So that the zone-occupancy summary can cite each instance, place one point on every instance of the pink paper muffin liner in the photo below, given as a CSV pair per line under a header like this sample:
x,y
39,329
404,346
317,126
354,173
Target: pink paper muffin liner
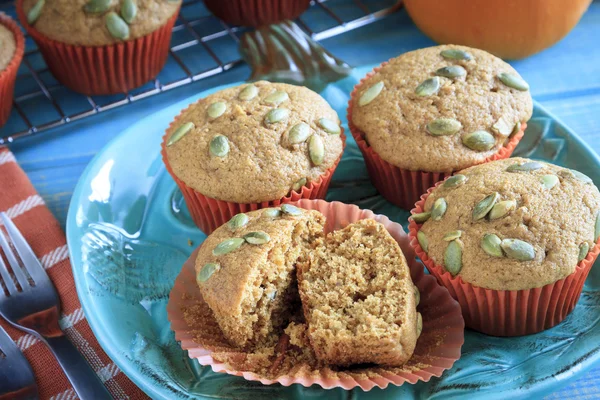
x,y
438,347
507,312
8,75
400,186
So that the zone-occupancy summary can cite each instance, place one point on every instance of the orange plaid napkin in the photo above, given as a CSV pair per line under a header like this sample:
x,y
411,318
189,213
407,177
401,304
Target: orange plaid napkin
x,y
26,208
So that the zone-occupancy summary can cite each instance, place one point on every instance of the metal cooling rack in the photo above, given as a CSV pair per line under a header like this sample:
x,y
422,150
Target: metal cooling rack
x,y
202,46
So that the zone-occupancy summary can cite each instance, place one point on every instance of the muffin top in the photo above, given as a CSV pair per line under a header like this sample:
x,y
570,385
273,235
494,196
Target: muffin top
x,y
441,108
254,142
511,224
7,46
98,22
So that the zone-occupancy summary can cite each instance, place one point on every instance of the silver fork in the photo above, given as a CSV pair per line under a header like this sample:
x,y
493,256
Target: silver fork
x,y
16,376
33,306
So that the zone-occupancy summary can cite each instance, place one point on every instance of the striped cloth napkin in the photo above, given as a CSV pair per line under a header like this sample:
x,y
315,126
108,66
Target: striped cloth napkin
x,y
26,208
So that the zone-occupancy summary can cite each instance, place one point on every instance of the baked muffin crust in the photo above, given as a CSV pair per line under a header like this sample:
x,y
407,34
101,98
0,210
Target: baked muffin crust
x,y
8,47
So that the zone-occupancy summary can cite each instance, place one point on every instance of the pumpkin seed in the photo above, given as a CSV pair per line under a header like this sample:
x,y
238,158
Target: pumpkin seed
x,y
227,246
128,10
417,295
330,127
419,324
423,241
276,98
490,243
451,71
219,146
577,175
513,81
96,6
502,127
455,181
216,109
549,181
479,140
597,227
316,149
35,12
584,249
428,87
439,209
237,221
443,126
525,167
290,209
518,249
502,208
453,257
259,237
456,54
450,236
299,133
271,213
482,208
180,132
517,128
207,271
277,115
370,94
298,184
248,93
419,218
116,26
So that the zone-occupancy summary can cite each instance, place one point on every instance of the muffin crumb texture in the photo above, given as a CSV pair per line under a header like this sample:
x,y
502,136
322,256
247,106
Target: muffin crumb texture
x,y
8,47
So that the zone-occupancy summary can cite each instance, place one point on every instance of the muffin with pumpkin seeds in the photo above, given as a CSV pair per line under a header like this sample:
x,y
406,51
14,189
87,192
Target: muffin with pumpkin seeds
x,y
252,146
428,113
512,239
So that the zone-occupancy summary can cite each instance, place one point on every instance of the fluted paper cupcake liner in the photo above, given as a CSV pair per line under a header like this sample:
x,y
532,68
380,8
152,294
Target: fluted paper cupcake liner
x,y
508,312
256,12
400,186
438,347
8,76
103,70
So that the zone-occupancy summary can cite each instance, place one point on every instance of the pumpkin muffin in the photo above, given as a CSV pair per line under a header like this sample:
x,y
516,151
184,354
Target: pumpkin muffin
x,y
8,46
358,298
430,112
12,44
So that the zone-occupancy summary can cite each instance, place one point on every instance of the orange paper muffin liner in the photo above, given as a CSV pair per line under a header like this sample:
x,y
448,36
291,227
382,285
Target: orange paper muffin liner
x,y
8,76
438,347
400,186
103,70
256,12
508,312
208,213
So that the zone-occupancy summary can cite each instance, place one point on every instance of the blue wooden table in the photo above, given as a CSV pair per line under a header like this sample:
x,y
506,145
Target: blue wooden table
x,y
565,79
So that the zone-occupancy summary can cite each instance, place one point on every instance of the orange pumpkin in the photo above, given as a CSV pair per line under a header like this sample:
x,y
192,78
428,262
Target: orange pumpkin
x,y
507,28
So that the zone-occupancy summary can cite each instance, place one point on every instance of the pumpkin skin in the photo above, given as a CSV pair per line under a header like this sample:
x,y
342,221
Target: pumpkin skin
x,y
509,29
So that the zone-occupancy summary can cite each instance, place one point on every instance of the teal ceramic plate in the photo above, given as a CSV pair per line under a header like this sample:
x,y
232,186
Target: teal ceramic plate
x,y
129,233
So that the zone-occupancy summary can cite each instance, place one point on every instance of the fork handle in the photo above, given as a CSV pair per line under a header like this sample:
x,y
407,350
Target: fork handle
x,y
86,383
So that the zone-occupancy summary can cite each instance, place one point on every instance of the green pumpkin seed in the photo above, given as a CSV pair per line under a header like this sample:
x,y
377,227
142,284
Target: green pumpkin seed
x,y
259,237
330,127
549,181
576,174
370,94
180,132
237,221
316,149
419,324
513,81
417,295
207,271
502,209
525,167
298,184
277,115
428,87
248,93
299,133
502,127
216,109
453,257
276,98
116,26
479,140
518,249
439,209
443,126
419,218
128,10
227,246
490,243
584,249
96,6
455,181
451,71
219,146
482,208
290,209
597,227
450,236
35,12
271,213
456,54
423,241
